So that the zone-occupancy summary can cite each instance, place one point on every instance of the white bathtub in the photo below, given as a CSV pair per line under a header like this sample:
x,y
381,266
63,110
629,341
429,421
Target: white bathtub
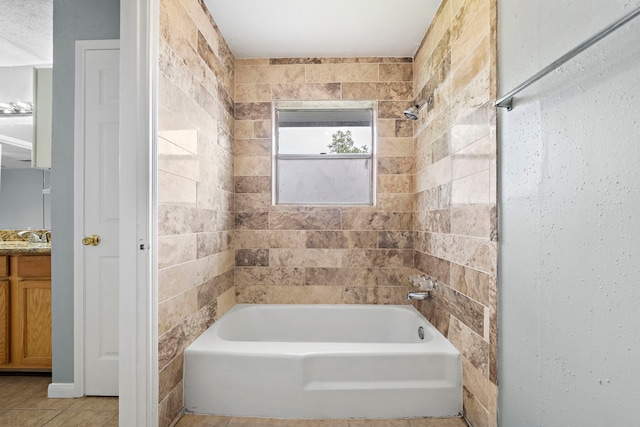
x,y
322,361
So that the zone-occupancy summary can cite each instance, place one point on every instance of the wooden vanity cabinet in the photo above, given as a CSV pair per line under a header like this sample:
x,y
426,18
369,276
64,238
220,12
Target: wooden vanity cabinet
x,y
25,312
4,309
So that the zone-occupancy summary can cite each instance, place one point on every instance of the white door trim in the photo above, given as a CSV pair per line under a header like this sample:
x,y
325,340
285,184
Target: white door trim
x,y
82,47
138,382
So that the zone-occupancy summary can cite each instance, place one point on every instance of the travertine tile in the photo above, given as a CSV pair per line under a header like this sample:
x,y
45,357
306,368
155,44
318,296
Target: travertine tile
x,y
404,128
393,109
473,283
396,72
175,310
243,129
272,74
252,111
477,415
387,128
225,302
395,183
252,147
260,202
289,294
374,295
474,220
170,408
471,65
252,166
395,147
320,219
292,276
340,276
210,290
378,258
305,91
473,129
341,73
262,129
377,220
252,257
395,202
252,184
475,381
389,91
177,161
176,249
170,377
253,92
306,257
395,239
248,239
174,189
341,239
212,243
471,345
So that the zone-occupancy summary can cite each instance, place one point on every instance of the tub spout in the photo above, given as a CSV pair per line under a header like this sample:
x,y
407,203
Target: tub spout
x,y
418,295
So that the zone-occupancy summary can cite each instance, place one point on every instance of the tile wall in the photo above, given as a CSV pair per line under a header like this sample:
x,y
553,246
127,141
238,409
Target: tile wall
x,y
221,241
312,254
455,184
195,187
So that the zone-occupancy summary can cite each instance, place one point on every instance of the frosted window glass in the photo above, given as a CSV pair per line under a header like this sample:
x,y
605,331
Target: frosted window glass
x,y
322,181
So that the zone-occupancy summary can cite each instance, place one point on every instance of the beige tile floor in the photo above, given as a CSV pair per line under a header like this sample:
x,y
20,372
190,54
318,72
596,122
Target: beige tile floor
x,y
191,420
24,403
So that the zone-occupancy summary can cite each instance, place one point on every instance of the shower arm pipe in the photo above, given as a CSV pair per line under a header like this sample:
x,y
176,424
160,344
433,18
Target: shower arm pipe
x,y
507,100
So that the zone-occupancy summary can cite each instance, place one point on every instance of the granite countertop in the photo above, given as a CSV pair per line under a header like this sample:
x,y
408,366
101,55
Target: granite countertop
x,y
24,248
12,244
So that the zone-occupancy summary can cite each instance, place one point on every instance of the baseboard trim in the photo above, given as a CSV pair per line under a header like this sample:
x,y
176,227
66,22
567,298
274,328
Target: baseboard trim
x,y
61,391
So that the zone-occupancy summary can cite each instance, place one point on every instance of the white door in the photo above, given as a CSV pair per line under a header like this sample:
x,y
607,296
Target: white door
x,y
101,218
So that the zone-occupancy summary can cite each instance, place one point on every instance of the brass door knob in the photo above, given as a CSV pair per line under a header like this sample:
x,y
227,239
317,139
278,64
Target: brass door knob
x,y
93,240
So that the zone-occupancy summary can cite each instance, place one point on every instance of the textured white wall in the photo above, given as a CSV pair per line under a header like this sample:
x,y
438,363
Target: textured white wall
x,y
569,272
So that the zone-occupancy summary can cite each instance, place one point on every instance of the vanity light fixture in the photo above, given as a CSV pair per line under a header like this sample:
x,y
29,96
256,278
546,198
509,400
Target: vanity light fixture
x,y
16,108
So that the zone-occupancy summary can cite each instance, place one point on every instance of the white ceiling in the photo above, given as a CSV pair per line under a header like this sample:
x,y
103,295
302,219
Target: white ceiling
x,y
323,28
27,32
26,40
252,28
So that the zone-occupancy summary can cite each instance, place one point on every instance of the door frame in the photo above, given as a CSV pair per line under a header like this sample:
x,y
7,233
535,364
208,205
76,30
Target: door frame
x,y
82,47
138,340
138,305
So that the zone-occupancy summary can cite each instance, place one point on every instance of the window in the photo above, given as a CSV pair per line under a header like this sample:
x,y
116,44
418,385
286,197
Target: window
x,y
324,152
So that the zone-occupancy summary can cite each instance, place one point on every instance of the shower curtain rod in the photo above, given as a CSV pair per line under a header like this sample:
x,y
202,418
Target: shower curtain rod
x,y
507,100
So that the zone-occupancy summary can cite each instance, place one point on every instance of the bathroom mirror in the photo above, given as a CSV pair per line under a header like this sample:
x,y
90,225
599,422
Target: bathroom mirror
x,y
24,192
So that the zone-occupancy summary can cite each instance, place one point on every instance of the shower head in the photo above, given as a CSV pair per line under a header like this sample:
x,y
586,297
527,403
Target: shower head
x,y
412,112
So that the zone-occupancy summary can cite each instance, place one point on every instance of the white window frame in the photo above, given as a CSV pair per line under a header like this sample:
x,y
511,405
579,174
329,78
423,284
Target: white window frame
x,y
324,105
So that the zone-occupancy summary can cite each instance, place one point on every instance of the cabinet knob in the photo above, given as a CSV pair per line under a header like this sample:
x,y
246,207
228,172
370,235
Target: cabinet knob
x,y
93,240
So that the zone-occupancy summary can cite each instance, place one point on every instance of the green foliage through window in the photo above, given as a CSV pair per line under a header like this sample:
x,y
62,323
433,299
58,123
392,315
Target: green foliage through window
x,y
342,142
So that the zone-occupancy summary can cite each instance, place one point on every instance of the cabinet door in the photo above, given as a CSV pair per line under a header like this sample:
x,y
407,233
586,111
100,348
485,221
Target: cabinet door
x,y
34,321
4,321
